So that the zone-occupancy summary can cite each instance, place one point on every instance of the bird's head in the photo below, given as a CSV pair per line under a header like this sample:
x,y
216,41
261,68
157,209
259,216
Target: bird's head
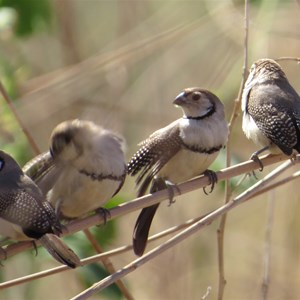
x,y
66,141
265,69
197,102
9,168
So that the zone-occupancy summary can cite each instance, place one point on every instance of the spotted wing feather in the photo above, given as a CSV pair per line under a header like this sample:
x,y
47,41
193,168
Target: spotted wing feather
x,y
276,115
43,171
22,207
154,153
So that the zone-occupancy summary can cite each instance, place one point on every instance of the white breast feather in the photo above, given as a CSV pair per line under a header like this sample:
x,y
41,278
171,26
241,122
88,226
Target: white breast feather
x,y
205,134
77,194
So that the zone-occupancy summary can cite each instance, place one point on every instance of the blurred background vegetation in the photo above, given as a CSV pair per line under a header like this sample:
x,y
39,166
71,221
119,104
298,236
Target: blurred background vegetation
x,y
120,64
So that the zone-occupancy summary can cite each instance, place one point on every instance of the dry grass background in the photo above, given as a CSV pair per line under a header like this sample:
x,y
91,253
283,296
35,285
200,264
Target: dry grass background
x,y
120,64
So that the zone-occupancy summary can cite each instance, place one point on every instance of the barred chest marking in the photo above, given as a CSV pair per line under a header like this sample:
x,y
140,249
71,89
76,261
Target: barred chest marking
x,y
202,142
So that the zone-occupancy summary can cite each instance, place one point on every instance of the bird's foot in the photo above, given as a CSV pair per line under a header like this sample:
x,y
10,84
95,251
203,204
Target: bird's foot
x,y
170,186
213,178
159,184
104,212
294,158
257,160
35,247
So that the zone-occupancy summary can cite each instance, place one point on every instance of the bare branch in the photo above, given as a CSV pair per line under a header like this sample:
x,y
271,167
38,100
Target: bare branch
x,y
234,115
147,200
260,187
297,59
96,258
267,250
174,240
108,264
16,115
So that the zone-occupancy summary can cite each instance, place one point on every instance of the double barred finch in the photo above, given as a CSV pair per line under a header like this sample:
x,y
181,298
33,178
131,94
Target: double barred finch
x,y
84,168
178,152
24,210
271,109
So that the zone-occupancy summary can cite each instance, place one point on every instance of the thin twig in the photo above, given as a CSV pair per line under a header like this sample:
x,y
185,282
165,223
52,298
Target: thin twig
x,y
297,59
62,268
159,235
18,119
108,264
97,287
278,183
267,250
147,200
96,258
234,115
209,218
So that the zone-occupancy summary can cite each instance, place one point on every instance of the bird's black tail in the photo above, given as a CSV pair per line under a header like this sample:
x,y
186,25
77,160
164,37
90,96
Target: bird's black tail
x,y
142,227
144,220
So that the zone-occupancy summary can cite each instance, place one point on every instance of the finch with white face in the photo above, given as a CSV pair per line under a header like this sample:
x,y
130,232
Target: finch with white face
x,y
178,152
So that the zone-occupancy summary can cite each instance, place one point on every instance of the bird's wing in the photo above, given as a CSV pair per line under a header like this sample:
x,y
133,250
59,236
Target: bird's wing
x,y
154,153
122,180
23,208
43,171
276,119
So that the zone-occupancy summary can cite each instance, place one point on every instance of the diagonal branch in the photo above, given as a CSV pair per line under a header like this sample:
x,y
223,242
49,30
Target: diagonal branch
x,y
261,187
18,119
95,258
150,199
234,115
209,218
108,264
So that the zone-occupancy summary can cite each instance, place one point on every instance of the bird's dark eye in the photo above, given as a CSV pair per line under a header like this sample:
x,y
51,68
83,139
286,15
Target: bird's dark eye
x,y
1,164
196,96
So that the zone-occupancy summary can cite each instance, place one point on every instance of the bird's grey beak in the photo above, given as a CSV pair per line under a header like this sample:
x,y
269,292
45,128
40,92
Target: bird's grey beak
x,y
180,99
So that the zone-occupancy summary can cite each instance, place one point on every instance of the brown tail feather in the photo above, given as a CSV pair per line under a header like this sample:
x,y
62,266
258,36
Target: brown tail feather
x,y
59,250
141,229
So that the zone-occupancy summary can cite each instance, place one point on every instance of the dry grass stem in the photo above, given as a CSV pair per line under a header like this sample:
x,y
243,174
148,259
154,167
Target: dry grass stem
x,y
267,247
62,268
234,115
108,264
256,188
135,50
147,200
97,287
249,193
278,183
259,188
18,119
96,258
297,59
